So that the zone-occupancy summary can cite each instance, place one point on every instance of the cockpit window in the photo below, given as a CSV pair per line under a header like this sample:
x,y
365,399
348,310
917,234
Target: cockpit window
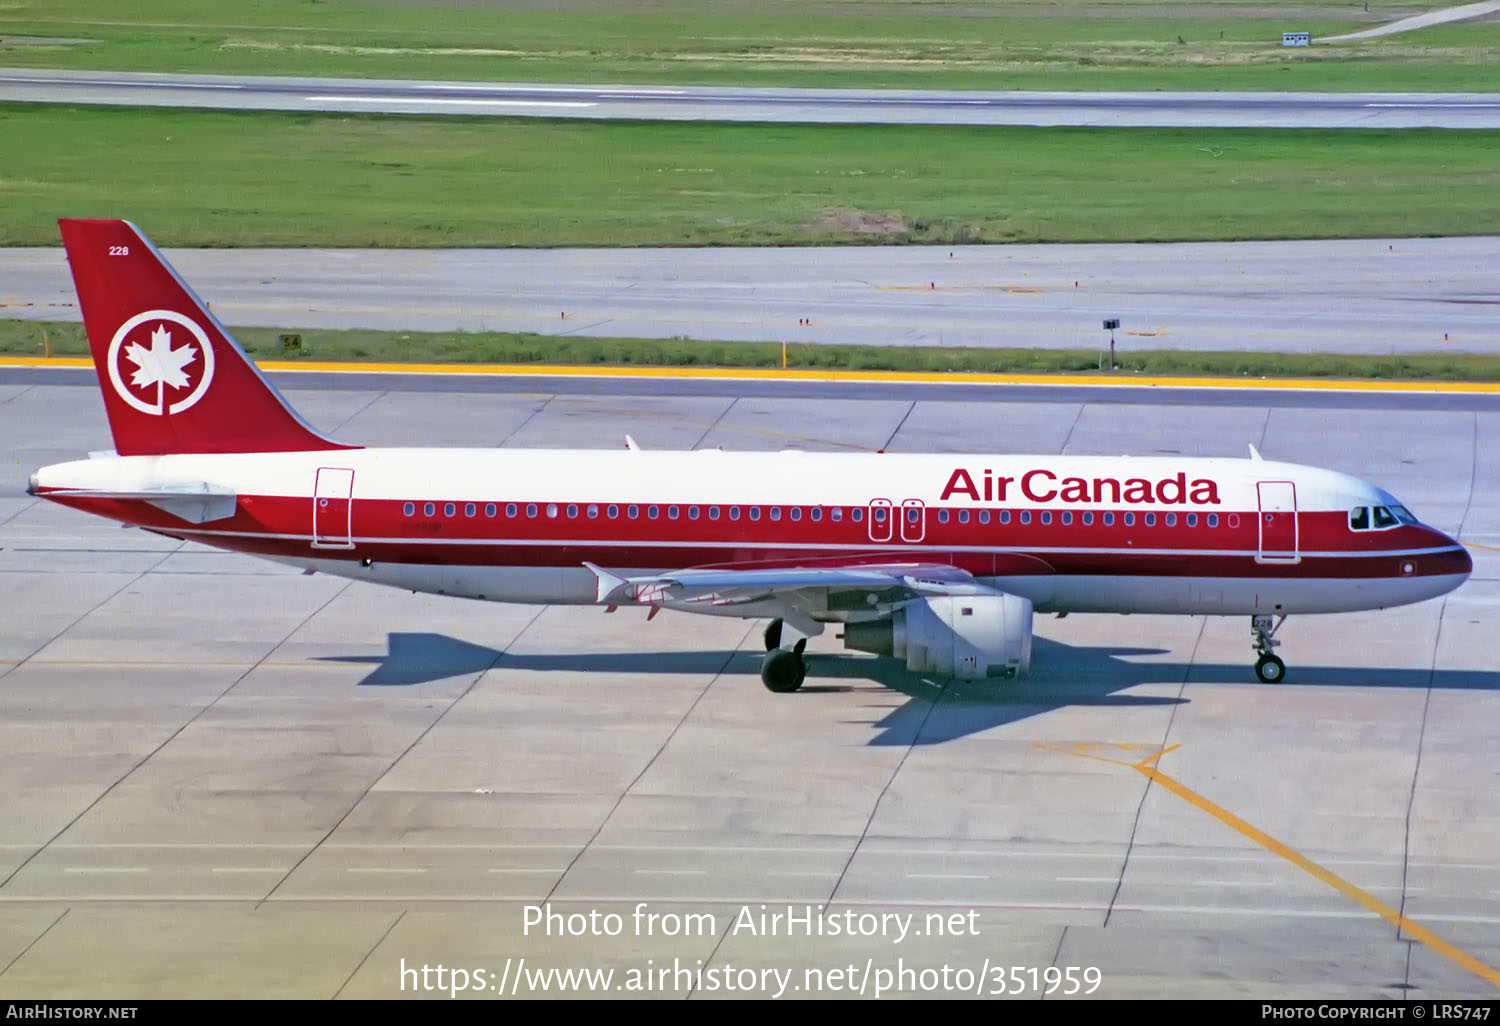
x,y
1403,514
1359,518
1384,517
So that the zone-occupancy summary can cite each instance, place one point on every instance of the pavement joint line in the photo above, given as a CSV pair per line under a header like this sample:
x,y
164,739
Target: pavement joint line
x,y
816,375
1361,897
373,948
145,758
318,843
34,941
717,674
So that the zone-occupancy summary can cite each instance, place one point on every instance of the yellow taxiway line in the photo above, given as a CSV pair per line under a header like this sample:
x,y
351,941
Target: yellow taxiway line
x,y
810,374
1147,768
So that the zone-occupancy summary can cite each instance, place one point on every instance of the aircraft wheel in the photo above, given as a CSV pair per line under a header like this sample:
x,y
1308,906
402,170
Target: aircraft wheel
x,y
783,671
1270,669
773,634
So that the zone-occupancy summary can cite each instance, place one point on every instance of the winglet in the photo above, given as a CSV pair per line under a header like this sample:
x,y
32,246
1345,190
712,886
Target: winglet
x,y
631,444
609,584
1254,452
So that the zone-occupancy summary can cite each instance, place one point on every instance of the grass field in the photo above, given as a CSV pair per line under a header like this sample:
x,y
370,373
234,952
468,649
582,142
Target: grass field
x,y
1044,44
232,179
26,338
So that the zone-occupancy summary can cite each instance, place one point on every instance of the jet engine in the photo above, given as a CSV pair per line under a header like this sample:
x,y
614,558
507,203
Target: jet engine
x,y
968,637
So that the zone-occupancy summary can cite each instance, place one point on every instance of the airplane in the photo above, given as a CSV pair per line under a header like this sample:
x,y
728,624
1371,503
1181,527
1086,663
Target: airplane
x,y
940,560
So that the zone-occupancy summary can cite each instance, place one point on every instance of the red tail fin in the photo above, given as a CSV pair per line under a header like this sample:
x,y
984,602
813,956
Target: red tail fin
x,y
173,378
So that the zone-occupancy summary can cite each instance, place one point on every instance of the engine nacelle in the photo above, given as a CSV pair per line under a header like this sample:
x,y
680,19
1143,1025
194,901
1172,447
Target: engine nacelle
x,y
969,637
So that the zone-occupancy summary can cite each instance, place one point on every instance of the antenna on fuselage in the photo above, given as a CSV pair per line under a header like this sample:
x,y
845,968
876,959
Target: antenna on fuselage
x,y
630,443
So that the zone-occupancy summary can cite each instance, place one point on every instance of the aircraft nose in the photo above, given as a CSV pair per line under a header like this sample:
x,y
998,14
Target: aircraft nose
x,y
1458,560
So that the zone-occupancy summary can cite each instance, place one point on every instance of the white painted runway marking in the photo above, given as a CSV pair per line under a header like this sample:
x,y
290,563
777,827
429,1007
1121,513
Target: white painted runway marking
x,y
248,869
523,870
672,872
382,869
105,869
444,101
947,876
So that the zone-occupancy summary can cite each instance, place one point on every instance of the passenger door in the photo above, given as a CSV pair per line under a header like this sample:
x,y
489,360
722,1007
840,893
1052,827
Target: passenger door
x,y
333,508
1278,522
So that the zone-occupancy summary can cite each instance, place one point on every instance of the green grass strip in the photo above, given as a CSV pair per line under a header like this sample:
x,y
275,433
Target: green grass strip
x,y
32,338
1058,44
231,179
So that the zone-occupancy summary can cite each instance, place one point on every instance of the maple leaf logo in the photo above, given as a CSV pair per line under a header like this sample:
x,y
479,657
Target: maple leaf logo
x,y
161,364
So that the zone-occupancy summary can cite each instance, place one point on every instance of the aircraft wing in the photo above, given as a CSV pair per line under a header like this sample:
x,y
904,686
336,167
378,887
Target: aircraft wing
x,y
722,586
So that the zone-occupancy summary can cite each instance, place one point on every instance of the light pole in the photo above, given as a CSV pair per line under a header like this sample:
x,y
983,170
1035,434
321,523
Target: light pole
x,y
1110,326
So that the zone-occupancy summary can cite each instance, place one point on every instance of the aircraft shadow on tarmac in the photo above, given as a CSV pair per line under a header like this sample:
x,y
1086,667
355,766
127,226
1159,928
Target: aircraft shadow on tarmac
x,y
1062,675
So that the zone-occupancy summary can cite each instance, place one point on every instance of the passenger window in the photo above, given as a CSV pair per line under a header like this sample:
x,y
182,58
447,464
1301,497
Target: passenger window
x,y
1213,520
1046,516
856,514
470,509
410,509
1109,520
1359,518
1067,518
713,512
754,512
1171,519
593,510
552,509
911,515
1005,516
692,512
449,509
1088,520
1384,517
984,516
1025,516
531,509
836,514
734,512
489,509
652,512
612,511
796,513
942,516
428,509
775,512
963,516
510,509
815,514
1150,519
632,511
671,512
572,510
1192,520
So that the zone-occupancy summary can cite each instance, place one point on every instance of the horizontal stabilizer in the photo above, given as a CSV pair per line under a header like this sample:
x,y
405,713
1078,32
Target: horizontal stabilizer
x,y
197,503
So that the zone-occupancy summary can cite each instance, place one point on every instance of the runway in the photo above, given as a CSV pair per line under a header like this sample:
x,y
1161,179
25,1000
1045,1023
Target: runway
x,y
226,779
734,103
1370,296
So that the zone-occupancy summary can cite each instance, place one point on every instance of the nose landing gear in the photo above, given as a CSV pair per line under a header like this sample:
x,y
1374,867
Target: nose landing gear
x,y
1269,668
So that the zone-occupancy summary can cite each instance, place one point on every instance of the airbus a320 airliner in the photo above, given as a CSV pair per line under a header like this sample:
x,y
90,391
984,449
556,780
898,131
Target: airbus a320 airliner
x,y
939,560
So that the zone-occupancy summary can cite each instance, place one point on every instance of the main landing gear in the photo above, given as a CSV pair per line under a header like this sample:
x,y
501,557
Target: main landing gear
x,y
783,669
1269,668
